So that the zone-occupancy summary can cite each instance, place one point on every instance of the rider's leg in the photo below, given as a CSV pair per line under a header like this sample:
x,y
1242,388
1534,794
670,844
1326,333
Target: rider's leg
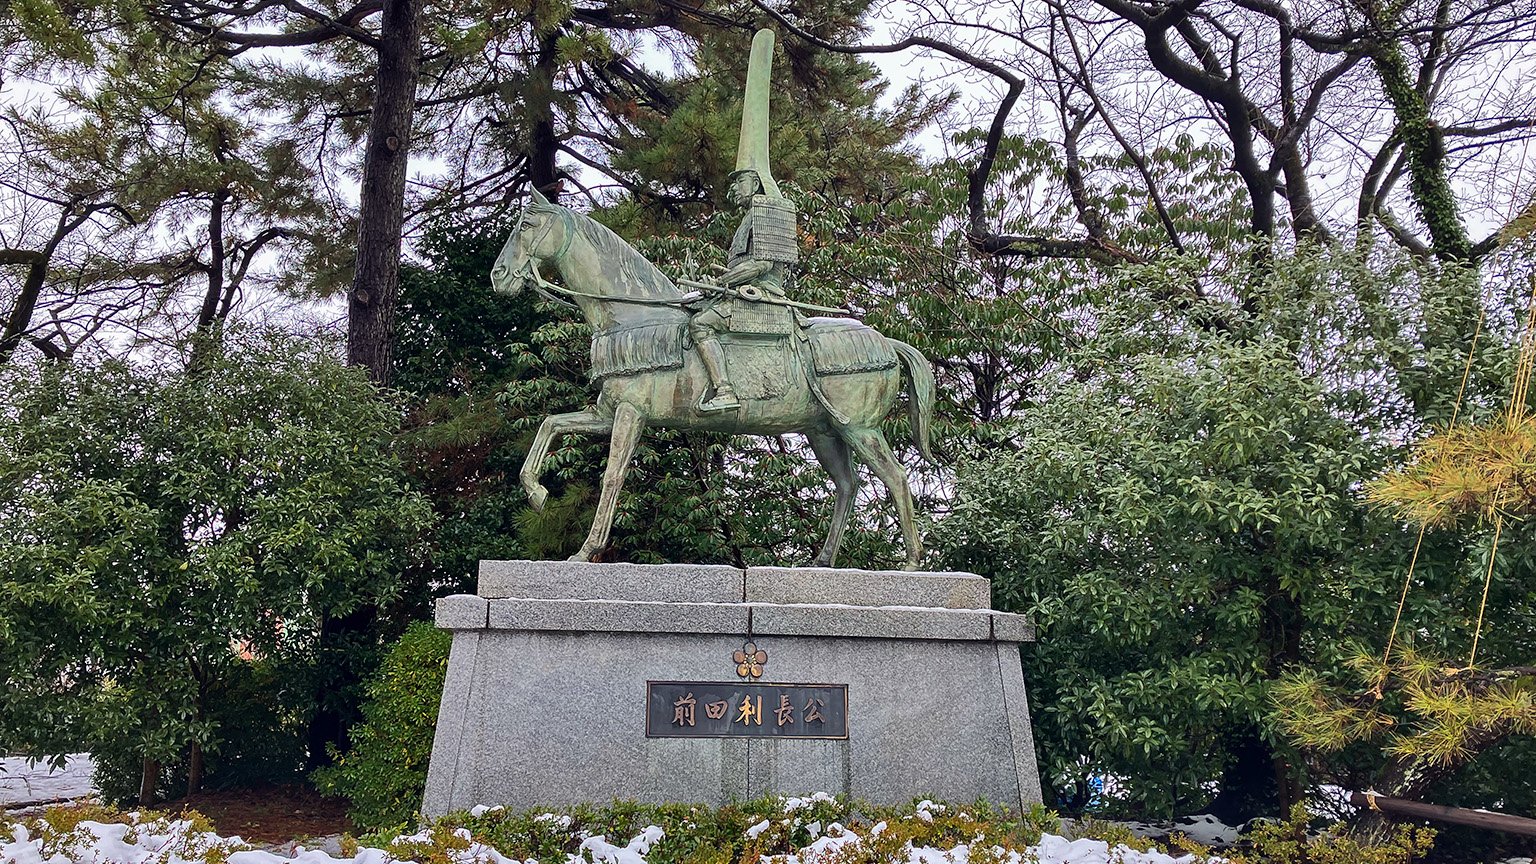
x,y
702,329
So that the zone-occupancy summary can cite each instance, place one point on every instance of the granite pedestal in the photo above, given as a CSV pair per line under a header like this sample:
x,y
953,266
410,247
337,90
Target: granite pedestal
x,y
545,701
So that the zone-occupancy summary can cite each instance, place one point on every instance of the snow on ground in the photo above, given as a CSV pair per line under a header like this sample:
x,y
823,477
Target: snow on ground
x,y
1202,828
24,782
173,841
1206,830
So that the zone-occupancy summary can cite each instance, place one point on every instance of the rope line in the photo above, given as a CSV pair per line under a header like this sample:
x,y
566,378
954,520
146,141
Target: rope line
x,y
1466,374
1522,385
1493,553
1402,599
1516,413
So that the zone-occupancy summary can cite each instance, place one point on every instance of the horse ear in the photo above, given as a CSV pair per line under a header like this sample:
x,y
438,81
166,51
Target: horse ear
x,y
538,198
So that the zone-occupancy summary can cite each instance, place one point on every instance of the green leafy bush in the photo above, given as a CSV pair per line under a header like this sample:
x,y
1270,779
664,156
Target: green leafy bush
x,y
764,829
817,829
385,772
260,738
152,517
62,833
1113,833
1182,515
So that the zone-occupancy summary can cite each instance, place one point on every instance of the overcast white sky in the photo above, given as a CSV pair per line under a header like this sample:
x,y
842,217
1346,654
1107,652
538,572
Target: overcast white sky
x,y
1488,207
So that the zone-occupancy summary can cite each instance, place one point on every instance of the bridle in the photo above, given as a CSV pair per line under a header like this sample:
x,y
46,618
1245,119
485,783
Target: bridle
x,y
570,234
559,293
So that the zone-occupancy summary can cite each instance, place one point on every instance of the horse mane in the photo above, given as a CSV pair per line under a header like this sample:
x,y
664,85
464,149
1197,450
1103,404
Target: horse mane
x,y
638,277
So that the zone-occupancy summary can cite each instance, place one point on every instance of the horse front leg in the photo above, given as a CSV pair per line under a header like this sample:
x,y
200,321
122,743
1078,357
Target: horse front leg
x,y
628,423
586,421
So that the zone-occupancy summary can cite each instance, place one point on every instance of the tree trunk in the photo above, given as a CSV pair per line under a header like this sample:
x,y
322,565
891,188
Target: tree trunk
x,y
20,319
215,291
195,769
1260,780
149,779
345,658
209,313
543,173
1298,195
371,302
381,216
1424,145
1247,785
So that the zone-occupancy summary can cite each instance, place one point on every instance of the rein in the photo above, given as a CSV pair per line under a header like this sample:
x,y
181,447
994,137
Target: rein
x,y
554,292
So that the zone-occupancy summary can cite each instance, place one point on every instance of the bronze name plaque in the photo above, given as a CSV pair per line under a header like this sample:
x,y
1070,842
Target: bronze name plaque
x,y
733,709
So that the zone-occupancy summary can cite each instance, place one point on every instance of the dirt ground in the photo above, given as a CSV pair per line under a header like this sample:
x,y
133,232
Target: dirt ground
x,y
277,814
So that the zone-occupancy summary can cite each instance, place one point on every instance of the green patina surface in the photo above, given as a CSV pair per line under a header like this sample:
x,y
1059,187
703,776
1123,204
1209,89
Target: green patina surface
x,y
736,356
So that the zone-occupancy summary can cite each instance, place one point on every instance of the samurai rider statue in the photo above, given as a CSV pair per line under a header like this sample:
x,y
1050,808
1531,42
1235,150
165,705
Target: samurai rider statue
x,y
765,245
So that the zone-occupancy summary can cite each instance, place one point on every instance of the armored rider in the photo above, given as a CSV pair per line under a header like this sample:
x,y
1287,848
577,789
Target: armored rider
x,y
765,245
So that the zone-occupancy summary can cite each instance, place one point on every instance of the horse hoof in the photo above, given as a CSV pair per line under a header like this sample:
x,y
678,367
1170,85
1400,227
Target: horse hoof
x,y
536,498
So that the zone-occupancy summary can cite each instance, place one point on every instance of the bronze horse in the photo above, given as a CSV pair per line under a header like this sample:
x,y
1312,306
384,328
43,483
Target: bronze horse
x,y
648,374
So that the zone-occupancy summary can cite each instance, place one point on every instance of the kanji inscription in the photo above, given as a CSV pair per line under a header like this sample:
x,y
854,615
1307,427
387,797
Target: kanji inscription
x,y
738,710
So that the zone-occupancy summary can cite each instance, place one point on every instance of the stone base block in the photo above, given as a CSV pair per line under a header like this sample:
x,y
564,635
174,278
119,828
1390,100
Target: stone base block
x,y
545,701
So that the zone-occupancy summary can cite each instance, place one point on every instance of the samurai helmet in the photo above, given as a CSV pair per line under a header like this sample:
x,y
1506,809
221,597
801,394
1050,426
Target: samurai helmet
x,y
752,148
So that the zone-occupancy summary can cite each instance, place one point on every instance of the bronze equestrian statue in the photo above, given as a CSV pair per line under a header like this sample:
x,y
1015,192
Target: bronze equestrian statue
x,y
757,367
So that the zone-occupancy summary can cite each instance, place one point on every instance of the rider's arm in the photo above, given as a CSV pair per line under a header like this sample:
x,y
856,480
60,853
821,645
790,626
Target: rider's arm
x,y
745,272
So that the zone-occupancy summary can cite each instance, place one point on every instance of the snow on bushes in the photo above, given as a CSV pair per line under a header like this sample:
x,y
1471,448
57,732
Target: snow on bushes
x,y
817,829
813,830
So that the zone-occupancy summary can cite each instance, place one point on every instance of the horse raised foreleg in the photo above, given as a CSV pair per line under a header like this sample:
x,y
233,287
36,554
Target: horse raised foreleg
x,y
832,452
555,424
871,447
628,423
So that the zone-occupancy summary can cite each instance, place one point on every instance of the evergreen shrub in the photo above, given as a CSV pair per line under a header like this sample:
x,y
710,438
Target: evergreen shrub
x,y
261,738
385,772
1295,841
761,830
152,518
769,830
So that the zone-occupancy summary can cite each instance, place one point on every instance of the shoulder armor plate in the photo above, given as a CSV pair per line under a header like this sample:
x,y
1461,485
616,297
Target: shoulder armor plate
x,y
774,235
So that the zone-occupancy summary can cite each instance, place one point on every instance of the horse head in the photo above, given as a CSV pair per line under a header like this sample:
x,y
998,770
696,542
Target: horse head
x,y
543,232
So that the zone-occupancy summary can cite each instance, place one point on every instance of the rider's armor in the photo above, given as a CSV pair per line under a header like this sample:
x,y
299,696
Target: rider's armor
x,y
764,246
766,235
761,251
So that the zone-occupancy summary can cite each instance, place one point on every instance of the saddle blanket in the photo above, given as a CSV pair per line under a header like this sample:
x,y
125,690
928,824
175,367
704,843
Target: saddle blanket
x,y
632,350
838,346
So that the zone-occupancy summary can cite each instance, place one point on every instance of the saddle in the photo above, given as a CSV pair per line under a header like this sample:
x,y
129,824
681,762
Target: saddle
x,y
838,346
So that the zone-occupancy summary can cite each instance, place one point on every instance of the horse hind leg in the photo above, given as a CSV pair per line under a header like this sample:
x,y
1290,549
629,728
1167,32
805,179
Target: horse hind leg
x,y
628,423
833,454
554,425
876,453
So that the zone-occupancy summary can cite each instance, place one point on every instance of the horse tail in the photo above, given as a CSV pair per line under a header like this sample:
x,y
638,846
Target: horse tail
x,y
921,398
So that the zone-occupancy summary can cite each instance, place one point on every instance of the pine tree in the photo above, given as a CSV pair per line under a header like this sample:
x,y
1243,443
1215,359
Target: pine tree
x,y
145,197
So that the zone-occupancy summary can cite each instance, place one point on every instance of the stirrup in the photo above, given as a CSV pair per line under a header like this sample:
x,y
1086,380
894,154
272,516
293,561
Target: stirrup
x,y
723,400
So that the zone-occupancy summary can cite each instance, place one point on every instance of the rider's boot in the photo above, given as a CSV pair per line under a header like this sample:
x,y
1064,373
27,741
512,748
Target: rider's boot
x,y
714,363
